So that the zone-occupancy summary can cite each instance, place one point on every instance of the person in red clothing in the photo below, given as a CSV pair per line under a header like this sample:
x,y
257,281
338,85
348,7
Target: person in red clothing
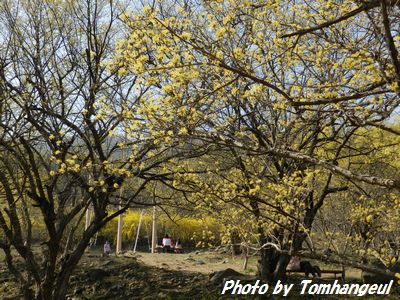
x,y
294,264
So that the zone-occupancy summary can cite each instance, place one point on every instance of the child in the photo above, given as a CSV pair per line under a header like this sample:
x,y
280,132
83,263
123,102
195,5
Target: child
x,y
107,248
178,246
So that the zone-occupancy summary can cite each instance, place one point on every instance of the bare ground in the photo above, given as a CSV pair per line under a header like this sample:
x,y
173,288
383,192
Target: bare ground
x,y
152,276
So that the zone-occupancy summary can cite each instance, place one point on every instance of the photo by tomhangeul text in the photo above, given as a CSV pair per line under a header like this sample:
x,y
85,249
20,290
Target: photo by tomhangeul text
x,y
307,287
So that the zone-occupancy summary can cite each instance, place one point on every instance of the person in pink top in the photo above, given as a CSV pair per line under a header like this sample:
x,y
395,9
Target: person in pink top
x,y
294,264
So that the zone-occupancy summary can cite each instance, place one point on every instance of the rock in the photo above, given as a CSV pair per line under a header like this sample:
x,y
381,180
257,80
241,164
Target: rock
x,y
107,263
199,262
129,254
378,278
197,252
115,288
218,277
96,274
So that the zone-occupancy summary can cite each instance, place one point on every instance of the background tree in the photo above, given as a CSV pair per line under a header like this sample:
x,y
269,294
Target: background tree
x,y
368,220
71,137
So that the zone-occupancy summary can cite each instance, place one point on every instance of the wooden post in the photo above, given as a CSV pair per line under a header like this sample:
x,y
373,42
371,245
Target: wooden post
x,y
154,232
246,258
138,230
118,248
88,220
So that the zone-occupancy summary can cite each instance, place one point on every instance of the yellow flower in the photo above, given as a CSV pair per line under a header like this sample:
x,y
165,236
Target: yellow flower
x,y
183,130
121,72
186,35
147,9
238,53
220,32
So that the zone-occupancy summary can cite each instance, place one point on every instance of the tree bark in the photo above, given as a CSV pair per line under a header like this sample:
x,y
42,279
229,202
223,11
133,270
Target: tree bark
x,y
267,264
280,270
235,241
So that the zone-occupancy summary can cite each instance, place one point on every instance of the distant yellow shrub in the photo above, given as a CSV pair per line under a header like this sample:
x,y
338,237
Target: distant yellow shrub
x,y
197,231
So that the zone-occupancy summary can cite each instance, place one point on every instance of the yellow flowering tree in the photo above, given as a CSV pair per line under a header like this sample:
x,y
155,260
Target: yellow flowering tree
x,y
72,137
287,82
363,222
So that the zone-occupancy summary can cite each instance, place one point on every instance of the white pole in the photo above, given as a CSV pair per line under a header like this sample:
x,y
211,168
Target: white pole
x,y
118,249
154,232
138,230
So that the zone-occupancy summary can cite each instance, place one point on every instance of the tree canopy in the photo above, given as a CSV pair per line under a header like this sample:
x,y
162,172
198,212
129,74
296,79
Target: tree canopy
x,y
271,116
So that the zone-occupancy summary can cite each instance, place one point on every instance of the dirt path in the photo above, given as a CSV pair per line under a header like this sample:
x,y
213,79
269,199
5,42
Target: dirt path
x,y
203,262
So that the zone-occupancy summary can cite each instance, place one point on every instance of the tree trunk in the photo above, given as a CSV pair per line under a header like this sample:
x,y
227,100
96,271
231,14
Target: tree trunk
x,y
280,270
62,289
27,292
235,241
267,264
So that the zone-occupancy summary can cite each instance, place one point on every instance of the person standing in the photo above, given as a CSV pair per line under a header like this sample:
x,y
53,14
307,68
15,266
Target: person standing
x,y
107,248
